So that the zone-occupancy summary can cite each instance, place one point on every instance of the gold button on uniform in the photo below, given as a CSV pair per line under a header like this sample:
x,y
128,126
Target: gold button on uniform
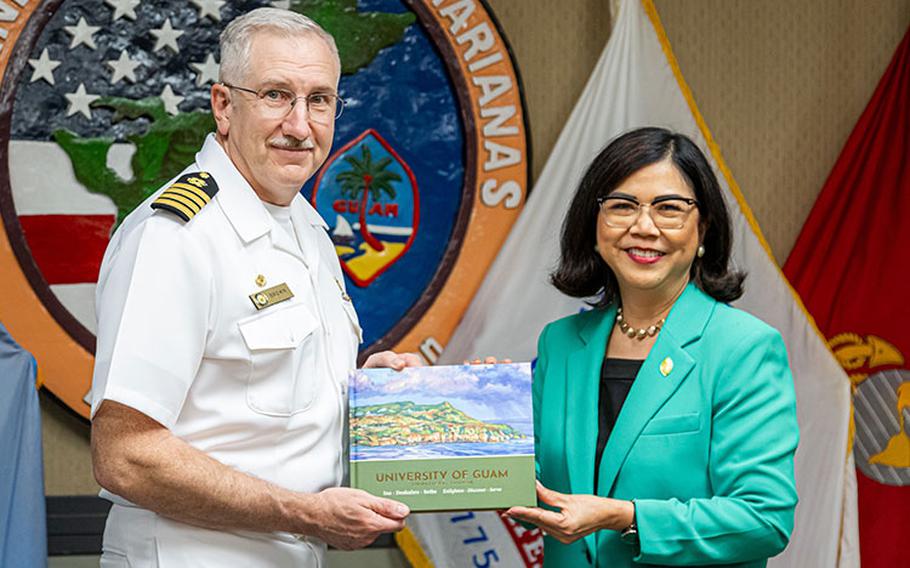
x,y
260,280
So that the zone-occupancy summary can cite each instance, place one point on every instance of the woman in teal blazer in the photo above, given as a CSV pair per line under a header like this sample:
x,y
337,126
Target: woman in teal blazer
x,y
695,461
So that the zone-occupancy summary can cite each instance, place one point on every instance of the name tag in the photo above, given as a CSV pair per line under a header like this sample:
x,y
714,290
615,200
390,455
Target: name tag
x,y
271,296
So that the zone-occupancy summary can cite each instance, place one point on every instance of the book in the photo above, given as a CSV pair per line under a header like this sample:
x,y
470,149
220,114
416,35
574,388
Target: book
x,y
446,438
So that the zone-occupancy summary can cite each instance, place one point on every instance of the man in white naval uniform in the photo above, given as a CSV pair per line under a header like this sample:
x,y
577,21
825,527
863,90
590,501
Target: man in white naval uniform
x,y
225,335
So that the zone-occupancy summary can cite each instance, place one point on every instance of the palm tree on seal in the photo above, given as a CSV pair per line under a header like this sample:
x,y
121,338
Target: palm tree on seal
x,y
367,179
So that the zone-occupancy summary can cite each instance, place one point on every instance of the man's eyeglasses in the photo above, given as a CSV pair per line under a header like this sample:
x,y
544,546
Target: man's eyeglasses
x,y
321,108
667,211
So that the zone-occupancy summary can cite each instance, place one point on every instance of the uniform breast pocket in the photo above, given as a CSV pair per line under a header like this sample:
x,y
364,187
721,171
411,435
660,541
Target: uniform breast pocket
x,y
283,355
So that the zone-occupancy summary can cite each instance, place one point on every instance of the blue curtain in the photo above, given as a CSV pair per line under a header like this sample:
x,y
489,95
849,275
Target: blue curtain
x,y
23,524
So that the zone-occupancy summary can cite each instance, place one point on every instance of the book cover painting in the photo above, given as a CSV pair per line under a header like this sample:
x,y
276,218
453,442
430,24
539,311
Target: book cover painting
x,y
441,438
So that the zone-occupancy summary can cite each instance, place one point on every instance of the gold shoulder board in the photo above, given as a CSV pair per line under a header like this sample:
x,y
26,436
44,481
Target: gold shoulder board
x,y
188,195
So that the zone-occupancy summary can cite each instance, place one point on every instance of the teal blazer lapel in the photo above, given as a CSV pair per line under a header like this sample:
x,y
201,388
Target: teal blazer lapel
x,y
656,381
583,391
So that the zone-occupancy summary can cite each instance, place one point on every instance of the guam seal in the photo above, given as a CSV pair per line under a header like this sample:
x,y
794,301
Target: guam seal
x,y
372,191
104,101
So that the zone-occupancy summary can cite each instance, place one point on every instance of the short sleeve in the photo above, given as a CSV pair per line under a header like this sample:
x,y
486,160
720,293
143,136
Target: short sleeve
x,y
153,307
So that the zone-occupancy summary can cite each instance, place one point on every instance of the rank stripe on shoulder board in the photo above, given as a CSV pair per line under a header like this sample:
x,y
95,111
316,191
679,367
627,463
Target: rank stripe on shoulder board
x,y
197,196
187,201
179,209
187,195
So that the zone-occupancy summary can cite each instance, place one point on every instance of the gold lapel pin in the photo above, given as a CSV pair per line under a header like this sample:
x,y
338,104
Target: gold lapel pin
x,y
260,280
666,366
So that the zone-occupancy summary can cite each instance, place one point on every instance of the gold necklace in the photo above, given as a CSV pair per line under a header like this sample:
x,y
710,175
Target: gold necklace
x,y
636,333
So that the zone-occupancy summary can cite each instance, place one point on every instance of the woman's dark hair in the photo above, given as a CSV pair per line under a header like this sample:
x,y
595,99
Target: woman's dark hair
x,y
582,272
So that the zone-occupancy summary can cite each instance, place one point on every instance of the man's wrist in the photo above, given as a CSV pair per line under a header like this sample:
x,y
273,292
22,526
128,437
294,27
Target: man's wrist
x,y
299,512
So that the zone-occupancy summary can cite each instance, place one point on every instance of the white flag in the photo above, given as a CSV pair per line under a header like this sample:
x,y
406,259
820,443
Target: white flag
x,y
637,83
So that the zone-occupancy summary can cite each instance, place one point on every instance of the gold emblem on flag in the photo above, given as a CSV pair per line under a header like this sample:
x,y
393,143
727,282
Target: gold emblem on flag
x,y
897,452
860,357
854,353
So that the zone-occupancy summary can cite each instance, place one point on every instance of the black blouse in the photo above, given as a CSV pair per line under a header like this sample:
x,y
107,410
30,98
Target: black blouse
x,y
616,377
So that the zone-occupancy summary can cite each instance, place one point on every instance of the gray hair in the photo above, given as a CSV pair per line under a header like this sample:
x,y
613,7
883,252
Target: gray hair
x,y
237,37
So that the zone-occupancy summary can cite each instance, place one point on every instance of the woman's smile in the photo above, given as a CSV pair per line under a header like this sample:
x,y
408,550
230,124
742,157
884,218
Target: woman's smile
x,y
644,255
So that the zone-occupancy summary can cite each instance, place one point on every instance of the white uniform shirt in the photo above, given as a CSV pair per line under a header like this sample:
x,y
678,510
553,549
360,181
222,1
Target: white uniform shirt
x,y
179,340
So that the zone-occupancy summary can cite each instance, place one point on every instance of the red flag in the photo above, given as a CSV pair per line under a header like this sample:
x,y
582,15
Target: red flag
x,y
851,266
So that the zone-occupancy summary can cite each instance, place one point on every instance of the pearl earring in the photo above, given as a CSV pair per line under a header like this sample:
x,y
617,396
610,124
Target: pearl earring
x,y
700,252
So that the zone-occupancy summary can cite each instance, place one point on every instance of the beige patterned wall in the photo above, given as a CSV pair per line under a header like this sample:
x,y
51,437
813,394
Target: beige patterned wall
x,y
67,461
780,83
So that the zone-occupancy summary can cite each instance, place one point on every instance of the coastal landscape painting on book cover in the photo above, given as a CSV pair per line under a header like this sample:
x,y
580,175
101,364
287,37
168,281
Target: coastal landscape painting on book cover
x,y
444,438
